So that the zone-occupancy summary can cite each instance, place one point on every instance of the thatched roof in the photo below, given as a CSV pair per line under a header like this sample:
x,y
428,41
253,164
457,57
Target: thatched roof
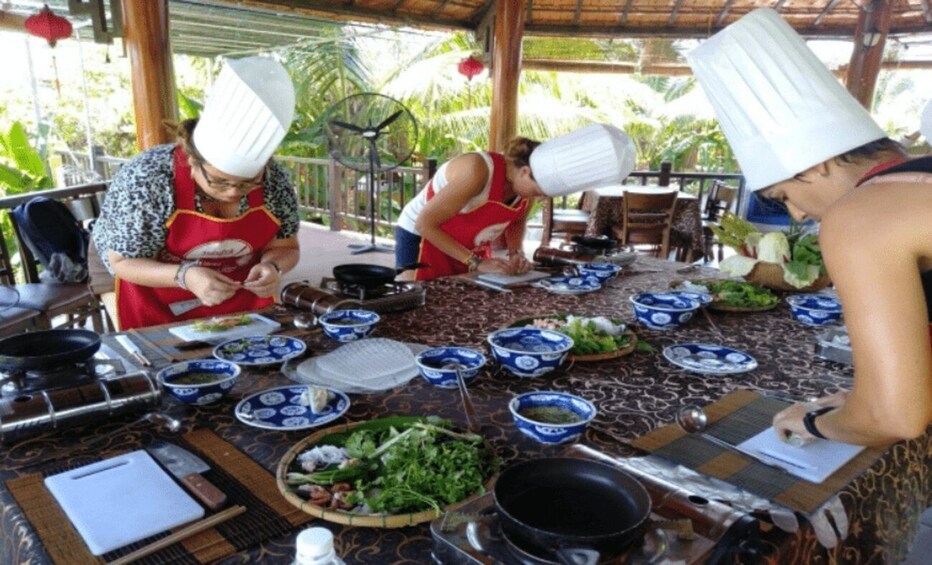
x,y
616,18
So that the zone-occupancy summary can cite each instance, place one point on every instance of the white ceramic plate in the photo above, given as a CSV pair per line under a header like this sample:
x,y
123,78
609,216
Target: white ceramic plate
x,y
709,359
258,350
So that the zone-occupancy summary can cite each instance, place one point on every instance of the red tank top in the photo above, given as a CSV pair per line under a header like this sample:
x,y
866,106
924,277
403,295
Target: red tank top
x,y
231,246
475,229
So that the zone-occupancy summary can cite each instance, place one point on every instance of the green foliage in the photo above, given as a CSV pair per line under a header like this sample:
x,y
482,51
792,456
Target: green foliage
x,y
21,166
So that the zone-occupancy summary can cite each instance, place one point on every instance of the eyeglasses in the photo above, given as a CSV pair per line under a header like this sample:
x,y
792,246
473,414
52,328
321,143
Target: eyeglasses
x,y
224,184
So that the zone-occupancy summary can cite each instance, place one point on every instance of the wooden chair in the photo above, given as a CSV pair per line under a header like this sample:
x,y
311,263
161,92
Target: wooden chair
x,y
721,199
565,222
646,221
13,320
59,305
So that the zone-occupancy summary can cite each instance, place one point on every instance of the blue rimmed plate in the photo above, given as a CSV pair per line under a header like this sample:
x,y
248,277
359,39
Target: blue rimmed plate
x,y
281,409
259,350
570,285
709,359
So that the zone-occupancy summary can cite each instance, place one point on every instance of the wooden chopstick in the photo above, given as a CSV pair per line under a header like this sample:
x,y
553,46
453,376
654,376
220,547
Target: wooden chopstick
x,y
187,532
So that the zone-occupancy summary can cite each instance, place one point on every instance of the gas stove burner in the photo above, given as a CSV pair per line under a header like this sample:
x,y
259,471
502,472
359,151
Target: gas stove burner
x,y
67,375
391,297
363,293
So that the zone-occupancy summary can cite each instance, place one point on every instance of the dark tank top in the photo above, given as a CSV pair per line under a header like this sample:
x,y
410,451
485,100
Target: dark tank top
x,y
917,165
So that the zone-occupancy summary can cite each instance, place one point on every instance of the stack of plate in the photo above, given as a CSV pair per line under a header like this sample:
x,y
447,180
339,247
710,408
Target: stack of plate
x,y
364,366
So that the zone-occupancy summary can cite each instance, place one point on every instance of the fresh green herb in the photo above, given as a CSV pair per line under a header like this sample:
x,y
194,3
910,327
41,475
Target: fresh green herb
x,y
738,293
645,347
220,324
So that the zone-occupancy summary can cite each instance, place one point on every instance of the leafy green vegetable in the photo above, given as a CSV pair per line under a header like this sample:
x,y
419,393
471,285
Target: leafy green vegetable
x,y
733,230
738,293
588,339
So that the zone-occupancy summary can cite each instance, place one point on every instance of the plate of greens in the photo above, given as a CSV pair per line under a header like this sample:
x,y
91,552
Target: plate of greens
x,y
731,295
595,338
385,473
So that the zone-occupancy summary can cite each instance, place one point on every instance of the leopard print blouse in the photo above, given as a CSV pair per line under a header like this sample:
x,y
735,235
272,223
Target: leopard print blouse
x,y
141,198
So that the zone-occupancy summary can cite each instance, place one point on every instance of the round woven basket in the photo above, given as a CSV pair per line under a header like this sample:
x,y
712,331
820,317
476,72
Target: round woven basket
x,y
770,275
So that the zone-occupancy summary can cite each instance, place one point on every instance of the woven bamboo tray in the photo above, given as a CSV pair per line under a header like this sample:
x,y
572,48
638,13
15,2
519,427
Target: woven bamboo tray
x,y
342,516
770,275
722,306
627,350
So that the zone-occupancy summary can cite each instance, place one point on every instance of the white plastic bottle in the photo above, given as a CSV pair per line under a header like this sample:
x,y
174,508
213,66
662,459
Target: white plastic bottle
x,y
314,546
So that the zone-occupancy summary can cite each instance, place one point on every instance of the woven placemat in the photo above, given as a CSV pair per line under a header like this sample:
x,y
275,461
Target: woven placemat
x,y
736,418
243,480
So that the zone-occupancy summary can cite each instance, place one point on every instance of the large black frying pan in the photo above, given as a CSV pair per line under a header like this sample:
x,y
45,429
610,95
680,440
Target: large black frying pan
x,y
571,508
46,349
369,276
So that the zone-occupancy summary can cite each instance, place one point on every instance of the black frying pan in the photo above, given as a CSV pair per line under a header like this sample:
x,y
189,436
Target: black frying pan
x,y
571,508
369,276
46,349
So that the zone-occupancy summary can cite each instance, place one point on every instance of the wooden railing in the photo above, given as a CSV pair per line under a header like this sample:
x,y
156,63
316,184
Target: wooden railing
x,y
336,196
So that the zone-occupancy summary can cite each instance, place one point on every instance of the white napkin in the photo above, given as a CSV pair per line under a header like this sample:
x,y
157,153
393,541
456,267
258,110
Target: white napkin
x,y
813,462
364,366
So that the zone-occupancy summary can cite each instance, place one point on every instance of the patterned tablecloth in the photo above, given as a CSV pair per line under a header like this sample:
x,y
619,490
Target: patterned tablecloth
x,y
633,394
686,231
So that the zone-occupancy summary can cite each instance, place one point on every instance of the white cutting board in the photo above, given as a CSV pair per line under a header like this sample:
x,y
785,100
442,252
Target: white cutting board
x,y
118,501
260,326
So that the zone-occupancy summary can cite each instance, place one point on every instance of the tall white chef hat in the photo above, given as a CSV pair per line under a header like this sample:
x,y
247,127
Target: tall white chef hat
x,y
925,123
780,108
592,157
248,111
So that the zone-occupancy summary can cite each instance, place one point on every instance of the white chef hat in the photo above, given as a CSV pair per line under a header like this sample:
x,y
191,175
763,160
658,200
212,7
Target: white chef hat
x,y
248,111
925,123
592,157
779,106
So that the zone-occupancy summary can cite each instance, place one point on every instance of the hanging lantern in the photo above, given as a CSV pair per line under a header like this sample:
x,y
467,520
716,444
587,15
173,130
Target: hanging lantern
x,y
48,26
470,67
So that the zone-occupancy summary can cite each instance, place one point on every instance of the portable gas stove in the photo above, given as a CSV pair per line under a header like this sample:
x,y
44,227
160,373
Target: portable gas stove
x,y
683,528
392,297
61,376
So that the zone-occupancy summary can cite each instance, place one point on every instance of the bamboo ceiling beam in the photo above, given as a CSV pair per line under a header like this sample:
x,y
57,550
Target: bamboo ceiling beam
x,y
332,11
146,40
779,5
397,5
869,39
439,8
604,67
506,71
696,32
12,21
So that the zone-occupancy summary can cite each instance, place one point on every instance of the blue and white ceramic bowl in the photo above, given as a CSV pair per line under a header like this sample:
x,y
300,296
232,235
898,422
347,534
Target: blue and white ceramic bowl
x,y
601,271
546,432
814,309
570,285
663,310
258,350
529,352
432,361
348,325
199,394
703,298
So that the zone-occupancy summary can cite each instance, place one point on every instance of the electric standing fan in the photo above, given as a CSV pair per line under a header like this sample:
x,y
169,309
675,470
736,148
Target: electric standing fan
x,y
372,133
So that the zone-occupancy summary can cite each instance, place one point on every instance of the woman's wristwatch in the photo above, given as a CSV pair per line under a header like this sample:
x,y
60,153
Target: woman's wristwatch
x,y
809,421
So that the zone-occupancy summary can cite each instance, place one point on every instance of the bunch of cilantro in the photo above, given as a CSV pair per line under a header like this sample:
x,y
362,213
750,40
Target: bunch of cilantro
x,y
589,339
424,466
737,293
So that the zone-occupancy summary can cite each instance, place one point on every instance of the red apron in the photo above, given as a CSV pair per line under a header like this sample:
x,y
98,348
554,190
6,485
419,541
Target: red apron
x,y
229,246
475,229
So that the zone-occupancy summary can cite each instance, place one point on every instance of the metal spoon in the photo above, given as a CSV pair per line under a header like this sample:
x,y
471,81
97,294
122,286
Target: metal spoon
x,y
693,420
468,409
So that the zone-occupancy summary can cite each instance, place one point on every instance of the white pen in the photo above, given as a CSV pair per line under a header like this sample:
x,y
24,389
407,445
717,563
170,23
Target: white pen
x,y
775,457
132,349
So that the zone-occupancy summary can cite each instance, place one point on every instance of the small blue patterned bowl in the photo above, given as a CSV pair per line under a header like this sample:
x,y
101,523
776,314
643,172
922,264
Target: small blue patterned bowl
x,y
431,365
546,432
529,352
814,309
348,325
601,271
663,310
199,393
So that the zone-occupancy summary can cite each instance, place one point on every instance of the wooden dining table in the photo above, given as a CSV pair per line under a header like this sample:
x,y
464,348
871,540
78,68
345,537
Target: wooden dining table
x,y
634,395
605,212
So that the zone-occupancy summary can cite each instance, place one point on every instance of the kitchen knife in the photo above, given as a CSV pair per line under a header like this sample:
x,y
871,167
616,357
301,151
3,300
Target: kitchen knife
x,y
188,467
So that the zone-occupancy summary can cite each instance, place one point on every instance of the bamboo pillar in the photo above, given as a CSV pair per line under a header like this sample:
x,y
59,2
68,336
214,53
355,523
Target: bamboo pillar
x,y
145,36
506,71
869,39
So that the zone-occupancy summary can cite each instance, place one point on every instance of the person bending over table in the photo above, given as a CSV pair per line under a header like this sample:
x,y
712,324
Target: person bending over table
x,y
801,138
474,198
206,226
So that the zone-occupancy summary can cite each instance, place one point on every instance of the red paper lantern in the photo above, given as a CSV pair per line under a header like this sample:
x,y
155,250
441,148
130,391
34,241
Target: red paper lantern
x,y
48,26
470,67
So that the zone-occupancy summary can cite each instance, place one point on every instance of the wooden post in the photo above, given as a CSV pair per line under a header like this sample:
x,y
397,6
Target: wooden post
x,y
145,36
506,71
336,196
664,178
869,38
